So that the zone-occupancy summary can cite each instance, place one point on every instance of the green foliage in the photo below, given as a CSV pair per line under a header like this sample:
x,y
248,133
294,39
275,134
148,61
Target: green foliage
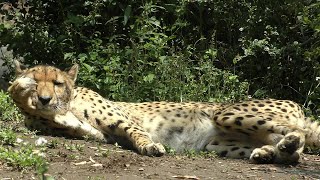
x,y
177,50
23,158
8,110
7,137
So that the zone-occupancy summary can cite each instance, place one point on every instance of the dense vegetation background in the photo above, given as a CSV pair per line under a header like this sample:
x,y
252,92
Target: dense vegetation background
x,y
221,50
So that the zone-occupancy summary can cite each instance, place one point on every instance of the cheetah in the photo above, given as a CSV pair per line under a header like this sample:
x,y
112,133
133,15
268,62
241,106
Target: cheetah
x,y
264,131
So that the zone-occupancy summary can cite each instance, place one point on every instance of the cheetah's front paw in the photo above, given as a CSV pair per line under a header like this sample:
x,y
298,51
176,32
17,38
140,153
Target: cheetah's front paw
x,y
153,149
264,155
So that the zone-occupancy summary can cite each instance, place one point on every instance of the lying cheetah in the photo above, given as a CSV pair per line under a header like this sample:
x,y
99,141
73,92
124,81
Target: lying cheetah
x,y
265,131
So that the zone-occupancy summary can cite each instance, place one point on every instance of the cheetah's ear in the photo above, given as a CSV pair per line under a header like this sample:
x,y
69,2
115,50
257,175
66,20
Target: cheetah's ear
x,y
73,72
20,68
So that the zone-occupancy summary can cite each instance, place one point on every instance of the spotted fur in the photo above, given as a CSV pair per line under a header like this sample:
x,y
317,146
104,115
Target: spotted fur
x,y
266,131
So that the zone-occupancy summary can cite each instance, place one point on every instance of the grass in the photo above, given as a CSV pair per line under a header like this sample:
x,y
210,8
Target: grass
x,y
22,156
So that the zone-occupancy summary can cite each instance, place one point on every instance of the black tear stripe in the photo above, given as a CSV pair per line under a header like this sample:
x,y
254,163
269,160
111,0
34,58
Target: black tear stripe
x,y
113,127
86,114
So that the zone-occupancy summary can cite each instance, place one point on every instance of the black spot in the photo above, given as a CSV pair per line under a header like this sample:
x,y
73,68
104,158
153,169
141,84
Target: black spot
x,y
126,128
204,114
237,108
260,105
261,122
270,130
91,99
215,118
278,103
291,105
178,115
255,127
108,106
103,107
86,114
242,153
245,105
113,127
267,109
173,130
168,110
93,111
239,118
159,126
237,123
100,101
235,148
98,121
283,110
230,144
225,118
229,114
100,111
254,109
243,132
249,116
110,114
223,153
215,143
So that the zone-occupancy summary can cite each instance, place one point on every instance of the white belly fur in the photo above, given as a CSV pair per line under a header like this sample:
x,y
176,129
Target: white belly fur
x,y
195,135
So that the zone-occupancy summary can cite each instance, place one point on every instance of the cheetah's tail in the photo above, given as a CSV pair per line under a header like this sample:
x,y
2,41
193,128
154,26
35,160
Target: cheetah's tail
x,y
313,133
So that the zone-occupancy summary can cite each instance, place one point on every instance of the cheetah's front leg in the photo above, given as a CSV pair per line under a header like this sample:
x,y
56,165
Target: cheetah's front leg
x,y
81,128
140,139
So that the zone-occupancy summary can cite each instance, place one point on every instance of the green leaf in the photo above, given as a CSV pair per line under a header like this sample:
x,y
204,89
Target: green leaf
x,y
68,55
149,78
87,66
127,14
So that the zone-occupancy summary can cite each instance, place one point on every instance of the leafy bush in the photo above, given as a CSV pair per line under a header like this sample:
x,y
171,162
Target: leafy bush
x,y
177,50
8,110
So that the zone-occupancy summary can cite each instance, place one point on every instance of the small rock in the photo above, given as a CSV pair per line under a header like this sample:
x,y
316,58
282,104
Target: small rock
x,y
41,141
18,140
141,169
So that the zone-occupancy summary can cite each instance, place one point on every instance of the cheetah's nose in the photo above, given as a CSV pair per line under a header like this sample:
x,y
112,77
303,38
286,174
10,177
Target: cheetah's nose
x,y
44,99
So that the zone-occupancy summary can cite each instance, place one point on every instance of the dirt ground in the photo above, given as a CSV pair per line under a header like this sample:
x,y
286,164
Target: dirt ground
x,y
80,159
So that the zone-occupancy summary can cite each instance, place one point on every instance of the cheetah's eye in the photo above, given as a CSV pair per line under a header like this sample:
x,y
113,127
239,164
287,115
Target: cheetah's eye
x,y
57,83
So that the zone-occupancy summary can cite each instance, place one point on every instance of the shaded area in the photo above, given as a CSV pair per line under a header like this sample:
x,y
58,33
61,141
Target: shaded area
x,y
71,159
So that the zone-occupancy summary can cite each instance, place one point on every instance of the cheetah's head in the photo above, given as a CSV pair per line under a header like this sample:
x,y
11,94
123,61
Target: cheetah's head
x,y
52,87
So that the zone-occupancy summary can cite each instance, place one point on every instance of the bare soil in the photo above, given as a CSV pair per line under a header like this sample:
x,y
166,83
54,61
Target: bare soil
x,y
94,160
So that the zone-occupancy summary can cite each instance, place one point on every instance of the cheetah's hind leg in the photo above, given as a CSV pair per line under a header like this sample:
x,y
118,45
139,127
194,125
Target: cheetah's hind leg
x,y
286,151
